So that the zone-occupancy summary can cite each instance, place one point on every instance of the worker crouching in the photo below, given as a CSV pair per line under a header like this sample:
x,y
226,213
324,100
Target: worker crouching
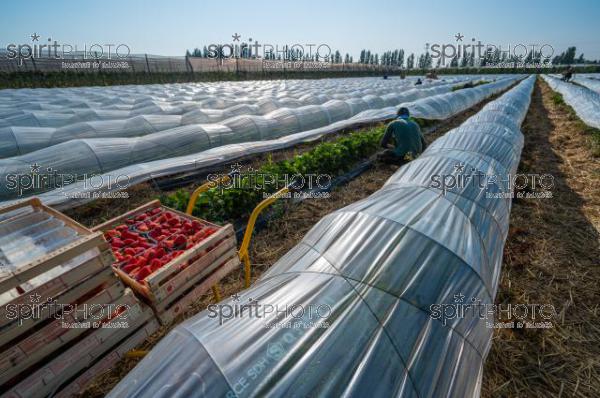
x,y
405,135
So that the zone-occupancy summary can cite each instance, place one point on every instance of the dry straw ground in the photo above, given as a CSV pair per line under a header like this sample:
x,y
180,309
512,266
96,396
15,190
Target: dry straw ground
x,y
552,256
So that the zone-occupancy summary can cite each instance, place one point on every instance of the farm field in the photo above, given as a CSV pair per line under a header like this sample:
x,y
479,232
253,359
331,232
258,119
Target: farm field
x,y
381,246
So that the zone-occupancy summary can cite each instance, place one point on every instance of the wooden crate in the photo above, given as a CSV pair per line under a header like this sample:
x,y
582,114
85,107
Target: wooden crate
x,y
72,363
211,260
32,343
87,241
52,336
108,360
89,251
166,313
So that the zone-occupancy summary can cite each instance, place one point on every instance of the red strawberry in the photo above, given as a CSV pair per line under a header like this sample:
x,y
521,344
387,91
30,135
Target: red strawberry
x,y
155,264
143,273
155,211
198,236
150,254
118,243
144,244
180,240
112,233
129,267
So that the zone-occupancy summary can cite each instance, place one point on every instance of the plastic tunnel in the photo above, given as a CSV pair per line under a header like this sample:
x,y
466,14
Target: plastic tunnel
x,y
362,286
197,147
583,100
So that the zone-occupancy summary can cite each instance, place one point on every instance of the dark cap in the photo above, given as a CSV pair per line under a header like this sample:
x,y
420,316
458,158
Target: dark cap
x,y
403,112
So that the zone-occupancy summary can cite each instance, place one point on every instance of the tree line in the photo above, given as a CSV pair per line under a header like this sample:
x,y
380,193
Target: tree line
x,y
398,58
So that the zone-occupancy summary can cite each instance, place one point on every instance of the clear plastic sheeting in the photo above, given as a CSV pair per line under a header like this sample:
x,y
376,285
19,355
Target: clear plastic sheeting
x,y
443,106
58,107
348,311
591,81
27,234
225,147
18,138
584,101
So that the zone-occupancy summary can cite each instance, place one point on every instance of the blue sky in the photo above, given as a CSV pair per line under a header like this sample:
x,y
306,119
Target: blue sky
x,y
171,27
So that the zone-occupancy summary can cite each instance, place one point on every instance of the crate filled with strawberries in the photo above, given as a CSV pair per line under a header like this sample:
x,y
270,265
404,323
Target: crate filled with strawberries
x,y
168,257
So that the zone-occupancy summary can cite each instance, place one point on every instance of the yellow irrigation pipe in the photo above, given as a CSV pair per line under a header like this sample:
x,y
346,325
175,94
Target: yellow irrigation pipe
x,y
136,353
190,208
244,255
201,189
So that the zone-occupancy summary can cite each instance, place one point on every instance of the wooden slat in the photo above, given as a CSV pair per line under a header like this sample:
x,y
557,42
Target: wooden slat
x,y
167,270
51,260
108,360
195,271
18,327
53,336
179,289
63,282
47,379
35,202
167,315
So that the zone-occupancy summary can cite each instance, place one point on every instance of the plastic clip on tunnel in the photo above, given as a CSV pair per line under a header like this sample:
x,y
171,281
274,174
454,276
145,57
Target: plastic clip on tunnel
x,y
354,308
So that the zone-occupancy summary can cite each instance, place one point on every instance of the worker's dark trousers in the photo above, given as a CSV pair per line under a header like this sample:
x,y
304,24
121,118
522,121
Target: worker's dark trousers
x,y
389,156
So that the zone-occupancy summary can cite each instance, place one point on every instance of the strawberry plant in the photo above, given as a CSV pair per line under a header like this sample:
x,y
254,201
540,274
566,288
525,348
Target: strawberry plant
x,y
331,158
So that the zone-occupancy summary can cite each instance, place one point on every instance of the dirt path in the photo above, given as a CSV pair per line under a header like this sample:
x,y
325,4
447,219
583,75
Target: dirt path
x,y
552,256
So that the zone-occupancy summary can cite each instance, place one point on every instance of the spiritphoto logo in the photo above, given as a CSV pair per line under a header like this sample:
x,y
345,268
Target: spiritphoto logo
x,y
254,49
528,185
496,316
73,316
251,179
276,316
40,179
525,54
52,49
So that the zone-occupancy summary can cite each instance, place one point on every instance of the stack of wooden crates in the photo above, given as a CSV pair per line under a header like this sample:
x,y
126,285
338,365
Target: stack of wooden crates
x,y
64,315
